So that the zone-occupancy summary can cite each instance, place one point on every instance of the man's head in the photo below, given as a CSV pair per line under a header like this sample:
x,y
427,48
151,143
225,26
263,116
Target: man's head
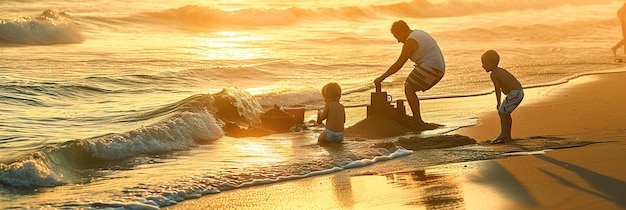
x,y
490,60
331,92
400,30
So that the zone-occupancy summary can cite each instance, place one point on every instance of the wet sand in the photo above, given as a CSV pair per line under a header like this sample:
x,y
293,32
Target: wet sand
x,y
587,109
590,177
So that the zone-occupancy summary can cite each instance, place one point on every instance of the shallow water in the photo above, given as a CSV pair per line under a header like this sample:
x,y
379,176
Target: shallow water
x,y
113,104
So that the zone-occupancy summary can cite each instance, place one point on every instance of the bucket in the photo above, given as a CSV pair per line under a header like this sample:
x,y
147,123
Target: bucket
x,y
297,112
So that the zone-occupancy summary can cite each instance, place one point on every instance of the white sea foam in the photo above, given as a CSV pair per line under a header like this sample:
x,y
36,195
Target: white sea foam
x,y
354,164
176,133
540,152
29,173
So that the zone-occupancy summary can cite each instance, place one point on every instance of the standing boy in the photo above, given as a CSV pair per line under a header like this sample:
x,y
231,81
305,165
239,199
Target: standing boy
x,y
334,113
503,82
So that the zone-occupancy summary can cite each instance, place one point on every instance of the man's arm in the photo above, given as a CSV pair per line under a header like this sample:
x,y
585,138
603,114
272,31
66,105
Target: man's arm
x,y
407,49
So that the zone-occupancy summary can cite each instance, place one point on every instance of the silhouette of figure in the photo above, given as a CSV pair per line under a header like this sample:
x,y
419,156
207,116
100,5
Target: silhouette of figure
x,y
503,82
334,113
430,66
621,14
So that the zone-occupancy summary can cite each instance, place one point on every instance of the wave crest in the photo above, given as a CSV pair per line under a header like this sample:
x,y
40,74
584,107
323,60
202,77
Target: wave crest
x,y
51,27
187,123
29,173
203,16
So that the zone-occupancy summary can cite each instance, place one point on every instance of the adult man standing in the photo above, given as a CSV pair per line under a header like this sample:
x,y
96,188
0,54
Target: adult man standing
x,y
422,49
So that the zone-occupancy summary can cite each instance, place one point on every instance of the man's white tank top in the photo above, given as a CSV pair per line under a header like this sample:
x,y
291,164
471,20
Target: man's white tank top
x,y
428,51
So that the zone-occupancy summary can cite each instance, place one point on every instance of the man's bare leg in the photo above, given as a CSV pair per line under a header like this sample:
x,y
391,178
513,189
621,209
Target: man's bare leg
x,y
414,103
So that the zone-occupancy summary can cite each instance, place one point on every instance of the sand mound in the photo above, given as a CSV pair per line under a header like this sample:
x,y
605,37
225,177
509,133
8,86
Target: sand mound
x,y
447,141
383,127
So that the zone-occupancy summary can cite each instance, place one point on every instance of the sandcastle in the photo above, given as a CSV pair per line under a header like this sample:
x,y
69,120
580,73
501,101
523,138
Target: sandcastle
x,y
380,105
383,119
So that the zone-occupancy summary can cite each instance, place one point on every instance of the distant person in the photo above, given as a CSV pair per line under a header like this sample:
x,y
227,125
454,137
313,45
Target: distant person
x,y
334,113
430,67
504,82
621,14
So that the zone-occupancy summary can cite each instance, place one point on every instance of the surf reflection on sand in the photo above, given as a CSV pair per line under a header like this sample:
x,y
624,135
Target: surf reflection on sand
x,y
402,190
436,190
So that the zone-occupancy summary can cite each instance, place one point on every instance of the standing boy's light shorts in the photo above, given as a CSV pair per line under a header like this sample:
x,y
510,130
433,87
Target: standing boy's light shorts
x,y
424,77
513,99
333,136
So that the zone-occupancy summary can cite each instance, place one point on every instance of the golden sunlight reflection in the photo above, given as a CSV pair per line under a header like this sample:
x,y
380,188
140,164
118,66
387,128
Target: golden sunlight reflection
x,y
230,9
229,45
262,90
258,152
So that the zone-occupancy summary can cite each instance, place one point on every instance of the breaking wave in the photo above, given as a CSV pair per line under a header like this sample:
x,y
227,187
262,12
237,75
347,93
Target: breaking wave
x,y
204,16
51,27
191,121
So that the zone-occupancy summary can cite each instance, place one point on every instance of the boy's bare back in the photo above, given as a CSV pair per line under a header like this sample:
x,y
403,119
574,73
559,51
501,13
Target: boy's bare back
x,y
334,113
335,116
504,80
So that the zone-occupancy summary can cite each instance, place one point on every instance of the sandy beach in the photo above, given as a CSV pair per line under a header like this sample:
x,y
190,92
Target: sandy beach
x,y
589,109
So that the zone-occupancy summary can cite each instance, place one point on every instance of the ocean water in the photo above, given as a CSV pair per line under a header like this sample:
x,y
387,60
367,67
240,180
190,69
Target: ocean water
x,y
114,104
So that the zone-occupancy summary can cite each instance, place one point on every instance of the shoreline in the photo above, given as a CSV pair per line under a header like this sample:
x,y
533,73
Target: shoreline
x,y
585,108
548,85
